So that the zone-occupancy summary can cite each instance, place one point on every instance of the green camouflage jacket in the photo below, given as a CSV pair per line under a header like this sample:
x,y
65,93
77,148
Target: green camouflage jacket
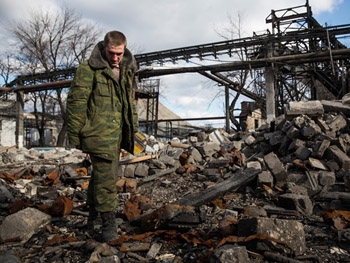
x,y
101,112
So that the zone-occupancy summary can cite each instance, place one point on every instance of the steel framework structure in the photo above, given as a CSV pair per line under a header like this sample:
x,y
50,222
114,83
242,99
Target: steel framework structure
x,y
303,59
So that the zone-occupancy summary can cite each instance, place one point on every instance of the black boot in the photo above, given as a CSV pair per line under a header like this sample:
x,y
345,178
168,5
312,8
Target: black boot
x,y
92,221
109,226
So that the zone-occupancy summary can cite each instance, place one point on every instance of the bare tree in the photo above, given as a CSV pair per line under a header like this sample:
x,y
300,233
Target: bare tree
x,y
238,78
7,69
47,42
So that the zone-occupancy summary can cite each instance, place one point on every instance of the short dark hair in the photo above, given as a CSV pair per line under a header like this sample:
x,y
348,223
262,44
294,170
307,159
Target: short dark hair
x,y
115,38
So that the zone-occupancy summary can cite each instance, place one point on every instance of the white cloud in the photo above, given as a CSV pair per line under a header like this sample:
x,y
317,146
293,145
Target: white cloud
x,y
324,5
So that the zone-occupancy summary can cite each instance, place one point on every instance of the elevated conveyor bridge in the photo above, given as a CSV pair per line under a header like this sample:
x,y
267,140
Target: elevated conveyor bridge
x,y
297,59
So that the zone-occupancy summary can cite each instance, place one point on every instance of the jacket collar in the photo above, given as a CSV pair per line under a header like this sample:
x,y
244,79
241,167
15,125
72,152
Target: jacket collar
x,y
98,60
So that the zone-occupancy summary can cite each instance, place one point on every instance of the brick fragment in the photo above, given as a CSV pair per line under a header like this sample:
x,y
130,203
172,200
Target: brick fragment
x,y
279,234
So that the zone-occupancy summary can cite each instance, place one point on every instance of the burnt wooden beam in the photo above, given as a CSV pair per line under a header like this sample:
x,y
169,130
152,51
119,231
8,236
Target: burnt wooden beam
x,y
237,180
188,203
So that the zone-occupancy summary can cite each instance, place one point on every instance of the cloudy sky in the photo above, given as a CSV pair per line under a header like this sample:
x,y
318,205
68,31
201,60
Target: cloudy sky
x,y
155,25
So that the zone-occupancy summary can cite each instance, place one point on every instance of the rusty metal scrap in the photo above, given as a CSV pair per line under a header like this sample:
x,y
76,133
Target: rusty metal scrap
x,y
236,157
136,205
339,219
184,157
62,206
52,179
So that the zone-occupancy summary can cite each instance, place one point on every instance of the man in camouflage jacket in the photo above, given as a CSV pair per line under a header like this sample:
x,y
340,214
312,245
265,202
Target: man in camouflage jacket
x,y
102,120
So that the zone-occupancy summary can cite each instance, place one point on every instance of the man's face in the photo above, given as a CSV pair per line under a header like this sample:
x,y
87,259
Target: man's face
x,y
114,54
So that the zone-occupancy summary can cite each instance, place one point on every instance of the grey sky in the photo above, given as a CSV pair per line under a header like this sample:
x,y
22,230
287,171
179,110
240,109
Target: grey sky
x,y
153,25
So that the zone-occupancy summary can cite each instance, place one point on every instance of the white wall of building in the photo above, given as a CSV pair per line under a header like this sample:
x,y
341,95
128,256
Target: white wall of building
x,y
8,132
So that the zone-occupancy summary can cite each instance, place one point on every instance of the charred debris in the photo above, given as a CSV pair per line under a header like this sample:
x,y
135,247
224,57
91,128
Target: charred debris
x,y
275,194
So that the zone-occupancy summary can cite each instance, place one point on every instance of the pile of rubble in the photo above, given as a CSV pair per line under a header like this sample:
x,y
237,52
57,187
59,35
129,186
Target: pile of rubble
x,y
276,194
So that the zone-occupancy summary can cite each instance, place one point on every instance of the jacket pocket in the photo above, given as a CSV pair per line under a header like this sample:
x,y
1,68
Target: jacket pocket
x,y
101,93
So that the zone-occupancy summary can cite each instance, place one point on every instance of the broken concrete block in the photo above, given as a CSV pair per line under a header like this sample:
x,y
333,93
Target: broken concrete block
x,y
338,123
47,192
310,129
276,167
249,152
5,194
23,224
230,254
293,132
326,178
254,211
255,165
297,177
322,124
208,149
141,170
202,136
332,165
249,140
129,170
318,164
158,164
195,156
169,161
336,106
219,163
154,250
302,153
300,203
331,134
344,142
70,171
276,138
299,121
284,125
216,137
312,107
296,189
295,144
320,148
281,122
278,233
334,153
265,178
237,145
283,149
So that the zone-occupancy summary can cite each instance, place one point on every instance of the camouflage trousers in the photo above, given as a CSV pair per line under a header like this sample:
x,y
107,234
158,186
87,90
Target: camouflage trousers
x,y
102,191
